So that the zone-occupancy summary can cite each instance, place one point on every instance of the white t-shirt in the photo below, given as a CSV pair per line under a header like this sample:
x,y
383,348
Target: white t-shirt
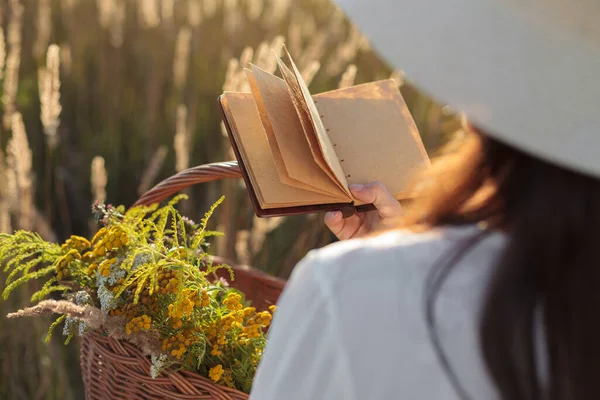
x,y
351,322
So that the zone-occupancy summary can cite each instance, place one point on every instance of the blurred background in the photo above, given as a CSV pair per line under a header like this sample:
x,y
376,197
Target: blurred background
x,y
101,99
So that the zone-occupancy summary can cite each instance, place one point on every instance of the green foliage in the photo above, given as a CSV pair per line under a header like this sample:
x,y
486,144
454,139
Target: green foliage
x,y
148,268
27,256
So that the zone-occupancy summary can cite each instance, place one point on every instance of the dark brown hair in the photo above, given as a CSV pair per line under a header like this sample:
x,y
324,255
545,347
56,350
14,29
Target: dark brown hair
x,y
544,292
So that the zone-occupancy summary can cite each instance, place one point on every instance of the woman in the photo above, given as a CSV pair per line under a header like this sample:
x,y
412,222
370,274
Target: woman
x,y
490,288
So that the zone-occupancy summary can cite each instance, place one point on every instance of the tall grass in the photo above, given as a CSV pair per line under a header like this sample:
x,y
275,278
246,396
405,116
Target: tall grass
x,y
102,99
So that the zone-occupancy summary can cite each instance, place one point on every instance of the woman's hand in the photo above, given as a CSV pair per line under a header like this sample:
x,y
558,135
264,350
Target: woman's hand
x,y
387,211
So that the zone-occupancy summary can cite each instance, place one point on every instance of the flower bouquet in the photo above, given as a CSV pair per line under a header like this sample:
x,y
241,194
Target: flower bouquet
x,y
145,283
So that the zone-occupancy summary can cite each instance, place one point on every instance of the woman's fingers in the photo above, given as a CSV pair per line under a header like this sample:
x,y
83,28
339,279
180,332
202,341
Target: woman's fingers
x,y
342,228
377,194
388,210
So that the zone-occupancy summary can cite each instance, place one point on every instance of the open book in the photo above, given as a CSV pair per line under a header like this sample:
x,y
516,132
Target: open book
x,y
299,153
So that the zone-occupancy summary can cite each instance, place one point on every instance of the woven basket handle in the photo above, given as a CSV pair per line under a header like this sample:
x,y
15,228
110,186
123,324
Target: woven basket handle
x,y
187,178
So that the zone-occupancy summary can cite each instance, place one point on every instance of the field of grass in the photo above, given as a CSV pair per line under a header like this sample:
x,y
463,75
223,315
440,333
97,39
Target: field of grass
x,y
101,99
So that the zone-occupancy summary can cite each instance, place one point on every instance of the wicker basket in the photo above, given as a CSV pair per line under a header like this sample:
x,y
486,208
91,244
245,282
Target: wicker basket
x,y
115,369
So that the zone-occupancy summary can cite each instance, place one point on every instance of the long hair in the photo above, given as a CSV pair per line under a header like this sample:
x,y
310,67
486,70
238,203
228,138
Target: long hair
x,y
544,292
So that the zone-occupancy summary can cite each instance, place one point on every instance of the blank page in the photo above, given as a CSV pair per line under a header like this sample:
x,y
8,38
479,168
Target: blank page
x,y
327,148
293,157
374,135
309,129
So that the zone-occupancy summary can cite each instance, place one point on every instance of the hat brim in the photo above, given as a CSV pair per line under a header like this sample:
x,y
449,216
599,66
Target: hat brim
x,y
525,73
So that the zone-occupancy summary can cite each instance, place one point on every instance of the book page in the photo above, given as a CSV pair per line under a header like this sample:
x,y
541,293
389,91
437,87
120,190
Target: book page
x,y
374,135
292,155
247,128
309,131
320,144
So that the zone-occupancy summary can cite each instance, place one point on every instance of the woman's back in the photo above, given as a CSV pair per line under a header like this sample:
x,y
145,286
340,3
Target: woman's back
x,y
361,304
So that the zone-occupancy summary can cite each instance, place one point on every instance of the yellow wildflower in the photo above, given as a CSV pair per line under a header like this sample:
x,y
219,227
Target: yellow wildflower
x,y
221,339
138,324
205,298
216,372
99,236
105,266
177,345
233,301
76,242
62,264
167,282
109,240
248,311
117,287
263,318
176,323
216,351
92,268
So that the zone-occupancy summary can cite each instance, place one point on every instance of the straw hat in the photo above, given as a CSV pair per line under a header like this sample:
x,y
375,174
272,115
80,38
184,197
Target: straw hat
x,y
526,71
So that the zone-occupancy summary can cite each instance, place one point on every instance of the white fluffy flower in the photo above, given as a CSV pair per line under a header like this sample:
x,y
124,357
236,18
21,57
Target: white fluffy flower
x,y
141,259
82,298
158,365
82,328
70,325
116,273
107,299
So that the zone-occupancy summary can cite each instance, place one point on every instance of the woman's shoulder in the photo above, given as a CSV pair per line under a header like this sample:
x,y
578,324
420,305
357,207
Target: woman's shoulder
x,y
398,252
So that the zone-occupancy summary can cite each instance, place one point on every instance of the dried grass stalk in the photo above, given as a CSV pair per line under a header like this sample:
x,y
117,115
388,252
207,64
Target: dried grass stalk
x,y
309,72
195,14
398,77
95,320
277,11
105,9
182,140
233,17
49,88
116,22
246,57
294,35
241,247
182,55
167,10
99,179
5,224
44,28
2,53
277,48
348,77
19,161
210,8
13,61
255,9
262,55
149,13
315,49
345,52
